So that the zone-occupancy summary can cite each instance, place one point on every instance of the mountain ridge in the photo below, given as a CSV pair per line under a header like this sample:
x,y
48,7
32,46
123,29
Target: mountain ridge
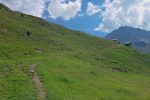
x,y
136,36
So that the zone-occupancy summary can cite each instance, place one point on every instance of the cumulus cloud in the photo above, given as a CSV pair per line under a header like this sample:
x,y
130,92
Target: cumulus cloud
x,y
117,13
32,7
65,9
92,9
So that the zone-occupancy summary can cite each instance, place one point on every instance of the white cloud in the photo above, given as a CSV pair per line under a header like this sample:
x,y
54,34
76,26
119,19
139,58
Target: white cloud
x,y
80,14
65,9
92,9
116,13
32,7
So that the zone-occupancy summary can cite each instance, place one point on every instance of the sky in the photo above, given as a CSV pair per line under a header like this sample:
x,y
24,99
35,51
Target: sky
x,y
96,17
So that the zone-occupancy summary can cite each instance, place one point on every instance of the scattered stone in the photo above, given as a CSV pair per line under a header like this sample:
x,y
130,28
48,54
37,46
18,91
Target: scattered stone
x,y
37,50
28,33
32,72
116,41
129,44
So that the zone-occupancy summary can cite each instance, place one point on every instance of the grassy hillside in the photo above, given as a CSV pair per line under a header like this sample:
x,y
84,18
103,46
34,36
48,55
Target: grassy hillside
x,y
72,65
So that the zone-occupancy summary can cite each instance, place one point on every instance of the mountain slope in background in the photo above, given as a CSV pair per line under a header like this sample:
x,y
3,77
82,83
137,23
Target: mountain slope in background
x,y
140,38
71,65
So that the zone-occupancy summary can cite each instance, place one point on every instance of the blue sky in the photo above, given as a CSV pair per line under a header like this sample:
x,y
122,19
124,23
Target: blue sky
x,y
82,23
97,17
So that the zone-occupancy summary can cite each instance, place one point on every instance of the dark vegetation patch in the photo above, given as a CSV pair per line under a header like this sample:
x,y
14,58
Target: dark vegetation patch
x,y
58,45
93,73
99,59
65,80
114,62
124,91
119,70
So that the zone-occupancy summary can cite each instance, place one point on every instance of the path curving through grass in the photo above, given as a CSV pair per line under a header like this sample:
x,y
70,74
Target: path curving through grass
x,y
38,83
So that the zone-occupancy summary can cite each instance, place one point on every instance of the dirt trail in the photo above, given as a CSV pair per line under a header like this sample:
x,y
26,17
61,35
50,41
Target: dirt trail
x,y
38,83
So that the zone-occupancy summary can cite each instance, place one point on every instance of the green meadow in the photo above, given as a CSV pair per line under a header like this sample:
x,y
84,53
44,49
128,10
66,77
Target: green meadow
x,y
71,65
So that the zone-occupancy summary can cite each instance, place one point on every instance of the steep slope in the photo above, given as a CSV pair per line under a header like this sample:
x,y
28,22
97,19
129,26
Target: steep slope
x,y
140,38
71,65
